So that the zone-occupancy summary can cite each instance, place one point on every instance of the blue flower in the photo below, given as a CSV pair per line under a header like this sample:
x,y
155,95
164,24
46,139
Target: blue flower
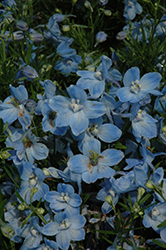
x,y
131,9
107,190
13,107
77,111
50,90
144,125
26,71
49,120
95,81
135,88
32,177
66,228
155,215
32,233
68,64
101,37
93,164
64,199
106,132
25,146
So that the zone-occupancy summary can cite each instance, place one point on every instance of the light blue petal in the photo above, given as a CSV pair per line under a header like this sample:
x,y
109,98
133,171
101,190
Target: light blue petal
x,y
76,92
63,119
77,221
150,81
91,144
60,104
109,133
94,109
20,93
78,163
51,228
39,151
63,239
77,235
96,89
75,200
130,76
65,188
110,157
78,122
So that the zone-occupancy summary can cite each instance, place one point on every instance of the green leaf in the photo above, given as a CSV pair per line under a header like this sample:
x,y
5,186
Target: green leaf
x,y
163,245
162,224
120,145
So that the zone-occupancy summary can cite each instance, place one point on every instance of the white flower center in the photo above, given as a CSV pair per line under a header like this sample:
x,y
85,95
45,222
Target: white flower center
x,y
135,87
75,105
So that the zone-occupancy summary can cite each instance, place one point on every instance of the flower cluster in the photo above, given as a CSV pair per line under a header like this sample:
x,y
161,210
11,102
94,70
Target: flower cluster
x,y
83,132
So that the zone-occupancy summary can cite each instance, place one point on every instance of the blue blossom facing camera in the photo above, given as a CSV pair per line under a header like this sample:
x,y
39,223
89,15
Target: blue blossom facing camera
x,y
135,88
13,107
76,110
64,199
94,164
66,228
132,7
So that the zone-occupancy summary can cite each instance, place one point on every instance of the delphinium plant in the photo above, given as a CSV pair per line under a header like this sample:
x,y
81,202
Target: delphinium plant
x,y
82,125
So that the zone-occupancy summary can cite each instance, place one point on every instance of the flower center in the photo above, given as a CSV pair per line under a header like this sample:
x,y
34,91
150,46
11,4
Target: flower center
x,y
75,105
34,232
140,116
65,224
65,197
98,76
27,142
135,87
33,180
93,129
155,213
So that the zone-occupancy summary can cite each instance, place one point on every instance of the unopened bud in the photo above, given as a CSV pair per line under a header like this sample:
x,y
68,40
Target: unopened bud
x,y
7,229
141,192
88,5
40,210
22,206
65,28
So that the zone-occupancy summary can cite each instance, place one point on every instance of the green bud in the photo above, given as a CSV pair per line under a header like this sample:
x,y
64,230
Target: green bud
x,y
7,229
22,206
46,172
150,184
109,200
136,207
65,28
141,192
107,12
33,191
4,155
164,129
88,5
40,210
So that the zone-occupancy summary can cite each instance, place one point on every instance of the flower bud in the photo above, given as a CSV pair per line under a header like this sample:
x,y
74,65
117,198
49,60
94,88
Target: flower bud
x,y
107,12
88,5
22,206
100,37
21,25
40,210
109,200
164,129
7,229
141,192
150,184
36,37
65,28
18,35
